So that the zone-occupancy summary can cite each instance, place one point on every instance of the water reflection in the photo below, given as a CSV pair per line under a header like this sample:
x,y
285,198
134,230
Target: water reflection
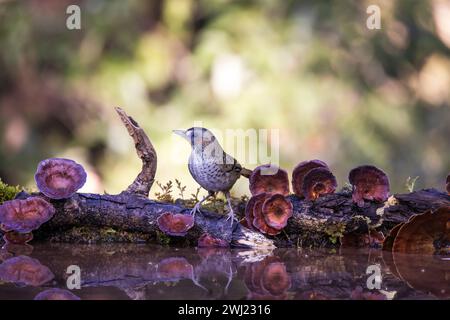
x,y
267,279
26,271
128,271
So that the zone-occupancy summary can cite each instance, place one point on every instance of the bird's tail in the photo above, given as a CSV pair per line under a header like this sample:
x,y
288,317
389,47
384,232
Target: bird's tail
x,y
246,172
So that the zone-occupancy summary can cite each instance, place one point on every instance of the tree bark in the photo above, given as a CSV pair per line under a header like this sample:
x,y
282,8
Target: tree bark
x,y
130,216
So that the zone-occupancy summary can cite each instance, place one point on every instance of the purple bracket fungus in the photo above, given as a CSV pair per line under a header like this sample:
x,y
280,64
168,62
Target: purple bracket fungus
x,y
258,218
300,172
5,254
250,206
25,270
269,179
276,211
173,269
56,294
3,227
426,233
267,279
275,279
25,215
208,241
369,183
15,237
318,182
372,239
18,249
175,224
59,178
424,273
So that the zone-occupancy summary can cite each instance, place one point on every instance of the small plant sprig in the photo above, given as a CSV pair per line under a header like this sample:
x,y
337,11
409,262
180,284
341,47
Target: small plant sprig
x,y
166,192
347,188
181,188
194,196
244,198
410,183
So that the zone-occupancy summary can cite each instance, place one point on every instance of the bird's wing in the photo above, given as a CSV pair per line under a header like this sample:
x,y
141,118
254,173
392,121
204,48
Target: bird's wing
x,y
230,164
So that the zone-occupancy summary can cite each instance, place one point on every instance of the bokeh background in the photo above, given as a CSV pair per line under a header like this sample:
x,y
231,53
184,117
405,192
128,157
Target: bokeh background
x,y
336,90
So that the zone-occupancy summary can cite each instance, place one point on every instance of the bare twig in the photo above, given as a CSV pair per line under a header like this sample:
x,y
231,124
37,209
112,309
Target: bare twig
x,y
145,151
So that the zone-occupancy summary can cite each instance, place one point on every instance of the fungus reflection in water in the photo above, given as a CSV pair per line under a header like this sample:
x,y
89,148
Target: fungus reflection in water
x,y
154,272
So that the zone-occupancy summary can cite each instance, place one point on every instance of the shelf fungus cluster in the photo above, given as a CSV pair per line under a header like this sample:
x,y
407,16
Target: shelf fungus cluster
x,y
175,224
59,178
25,270
19,218
56,179
316,215
369,183
208,241
267,279
426,233
312,179
56,294
268,210
426,237
174,269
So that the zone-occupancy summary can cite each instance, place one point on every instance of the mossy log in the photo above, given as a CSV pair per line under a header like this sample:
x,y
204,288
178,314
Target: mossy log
x,y
128,217
131,216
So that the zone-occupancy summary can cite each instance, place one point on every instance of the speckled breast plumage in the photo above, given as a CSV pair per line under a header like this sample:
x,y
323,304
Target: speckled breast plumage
x,y
211,175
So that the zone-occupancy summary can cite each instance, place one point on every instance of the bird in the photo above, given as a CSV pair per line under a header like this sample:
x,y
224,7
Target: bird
x,y
211,167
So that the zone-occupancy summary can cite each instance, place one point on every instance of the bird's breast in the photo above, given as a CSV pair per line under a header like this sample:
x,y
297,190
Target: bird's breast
x,y
211,175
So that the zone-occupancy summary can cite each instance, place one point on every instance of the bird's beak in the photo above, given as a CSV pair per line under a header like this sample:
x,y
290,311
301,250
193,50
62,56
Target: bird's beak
x,y
181,133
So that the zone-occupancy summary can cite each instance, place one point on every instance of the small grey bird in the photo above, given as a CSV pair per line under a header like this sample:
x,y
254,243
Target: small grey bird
x,y
212,168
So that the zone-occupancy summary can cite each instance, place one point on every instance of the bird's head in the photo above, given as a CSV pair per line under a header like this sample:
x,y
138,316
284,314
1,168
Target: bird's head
x,y
198,137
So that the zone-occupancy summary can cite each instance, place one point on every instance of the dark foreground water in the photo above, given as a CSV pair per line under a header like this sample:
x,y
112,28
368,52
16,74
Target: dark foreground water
x,y
127,271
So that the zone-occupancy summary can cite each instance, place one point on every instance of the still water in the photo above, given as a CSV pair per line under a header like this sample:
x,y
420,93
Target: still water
x,y
130,271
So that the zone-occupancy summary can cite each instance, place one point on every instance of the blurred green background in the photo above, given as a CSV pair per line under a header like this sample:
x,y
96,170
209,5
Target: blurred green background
x,y
336,90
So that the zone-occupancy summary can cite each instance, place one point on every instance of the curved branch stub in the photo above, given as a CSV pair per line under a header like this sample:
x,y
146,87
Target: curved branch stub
x,y
145,151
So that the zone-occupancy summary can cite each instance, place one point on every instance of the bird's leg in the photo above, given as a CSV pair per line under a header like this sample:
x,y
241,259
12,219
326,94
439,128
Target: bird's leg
x,y
199,204
231,212
229,278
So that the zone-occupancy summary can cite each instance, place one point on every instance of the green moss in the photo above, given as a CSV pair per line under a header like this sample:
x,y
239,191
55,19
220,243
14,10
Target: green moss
x,y
335,232
162,238
93,235
7,192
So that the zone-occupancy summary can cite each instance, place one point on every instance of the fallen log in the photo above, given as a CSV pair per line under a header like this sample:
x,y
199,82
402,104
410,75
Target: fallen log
x,y
131,217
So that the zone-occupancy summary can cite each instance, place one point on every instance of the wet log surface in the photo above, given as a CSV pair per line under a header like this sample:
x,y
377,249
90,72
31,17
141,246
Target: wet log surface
x,y
130,217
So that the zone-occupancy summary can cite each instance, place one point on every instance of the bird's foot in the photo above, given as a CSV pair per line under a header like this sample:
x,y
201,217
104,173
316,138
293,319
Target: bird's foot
x,y
196,209
230,216
230,207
